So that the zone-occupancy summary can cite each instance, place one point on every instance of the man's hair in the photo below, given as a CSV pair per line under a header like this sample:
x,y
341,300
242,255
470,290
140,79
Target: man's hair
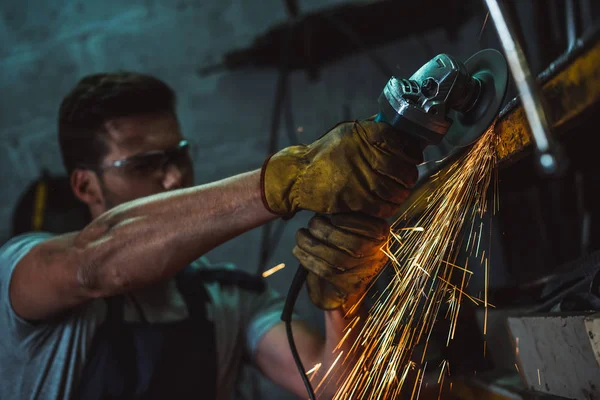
x,y
99,98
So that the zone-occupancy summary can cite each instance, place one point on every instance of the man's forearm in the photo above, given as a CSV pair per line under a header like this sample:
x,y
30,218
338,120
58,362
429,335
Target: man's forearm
x,y
146,240
334,351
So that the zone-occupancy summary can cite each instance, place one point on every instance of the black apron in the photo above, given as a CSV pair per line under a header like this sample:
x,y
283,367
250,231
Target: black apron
x,y
175,360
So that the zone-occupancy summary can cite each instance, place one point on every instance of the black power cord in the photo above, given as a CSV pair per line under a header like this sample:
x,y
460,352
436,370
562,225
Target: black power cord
x,y
286,317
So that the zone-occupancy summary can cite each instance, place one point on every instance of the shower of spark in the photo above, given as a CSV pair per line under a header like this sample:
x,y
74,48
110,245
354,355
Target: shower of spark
x,y
423,248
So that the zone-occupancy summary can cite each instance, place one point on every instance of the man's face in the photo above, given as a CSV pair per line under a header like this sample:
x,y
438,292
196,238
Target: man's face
x,y
151,158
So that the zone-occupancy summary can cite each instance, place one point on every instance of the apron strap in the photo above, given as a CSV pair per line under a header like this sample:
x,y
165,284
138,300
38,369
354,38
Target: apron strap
x,y
109,372
160,361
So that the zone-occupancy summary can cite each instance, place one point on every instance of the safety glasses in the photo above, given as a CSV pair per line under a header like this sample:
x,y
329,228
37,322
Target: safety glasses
x,y
146,164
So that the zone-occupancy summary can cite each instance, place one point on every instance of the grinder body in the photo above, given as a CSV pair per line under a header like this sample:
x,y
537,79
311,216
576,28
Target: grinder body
x,y
446,99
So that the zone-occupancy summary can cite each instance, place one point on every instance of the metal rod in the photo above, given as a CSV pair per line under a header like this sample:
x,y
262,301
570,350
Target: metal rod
x,y
572,23
528,89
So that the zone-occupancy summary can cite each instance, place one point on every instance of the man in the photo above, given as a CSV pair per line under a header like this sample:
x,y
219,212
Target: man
x,y
129,308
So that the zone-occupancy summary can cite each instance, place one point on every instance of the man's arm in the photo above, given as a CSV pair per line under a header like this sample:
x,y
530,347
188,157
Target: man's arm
x,y
356,166
135,244
274,357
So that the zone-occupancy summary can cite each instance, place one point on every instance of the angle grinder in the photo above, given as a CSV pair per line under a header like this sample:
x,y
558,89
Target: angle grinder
x,y
447,101
444,103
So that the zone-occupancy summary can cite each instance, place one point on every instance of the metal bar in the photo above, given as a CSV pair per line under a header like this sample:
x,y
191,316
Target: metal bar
x,y
528,90
572,22
570,86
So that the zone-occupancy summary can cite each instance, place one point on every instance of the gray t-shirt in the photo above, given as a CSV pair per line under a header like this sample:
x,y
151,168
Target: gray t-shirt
x,y
43,361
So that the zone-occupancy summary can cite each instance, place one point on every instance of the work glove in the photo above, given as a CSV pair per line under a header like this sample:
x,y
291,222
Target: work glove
x,y
357,166
343,254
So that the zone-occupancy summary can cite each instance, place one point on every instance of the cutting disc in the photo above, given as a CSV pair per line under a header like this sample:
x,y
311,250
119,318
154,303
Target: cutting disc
x,y
489,66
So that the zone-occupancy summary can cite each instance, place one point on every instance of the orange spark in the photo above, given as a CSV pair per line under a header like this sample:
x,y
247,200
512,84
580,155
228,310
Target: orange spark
x,y
313,369
271,271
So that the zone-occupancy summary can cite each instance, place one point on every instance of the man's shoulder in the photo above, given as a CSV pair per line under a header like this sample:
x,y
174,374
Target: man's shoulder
x,y
16,247
23,334
24,238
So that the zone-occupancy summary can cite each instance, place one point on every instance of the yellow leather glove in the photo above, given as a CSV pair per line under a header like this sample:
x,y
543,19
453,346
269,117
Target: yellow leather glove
x,y
357,166
343,254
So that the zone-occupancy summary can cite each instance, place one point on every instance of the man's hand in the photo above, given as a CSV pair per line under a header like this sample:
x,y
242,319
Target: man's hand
x,y
343,253
357,166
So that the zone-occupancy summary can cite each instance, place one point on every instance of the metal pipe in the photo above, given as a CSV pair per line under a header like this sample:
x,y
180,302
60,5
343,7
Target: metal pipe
x,y
572,23
528,90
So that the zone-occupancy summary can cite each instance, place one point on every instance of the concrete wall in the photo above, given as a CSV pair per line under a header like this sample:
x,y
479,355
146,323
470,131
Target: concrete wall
x,y
45,47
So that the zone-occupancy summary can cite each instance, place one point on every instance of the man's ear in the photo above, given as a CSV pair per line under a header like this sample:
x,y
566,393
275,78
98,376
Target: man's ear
x,y
86,187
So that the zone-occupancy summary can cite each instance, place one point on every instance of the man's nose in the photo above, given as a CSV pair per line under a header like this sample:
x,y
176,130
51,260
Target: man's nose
x,y
173,177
